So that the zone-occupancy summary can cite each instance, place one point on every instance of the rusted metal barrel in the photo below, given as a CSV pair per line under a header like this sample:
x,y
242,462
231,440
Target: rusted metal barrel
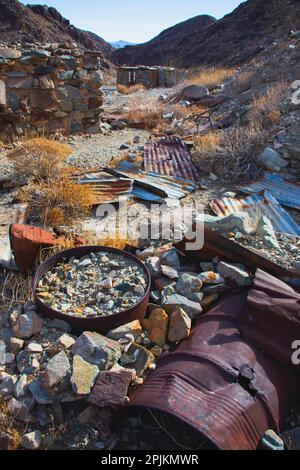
x,y
220,384
99,324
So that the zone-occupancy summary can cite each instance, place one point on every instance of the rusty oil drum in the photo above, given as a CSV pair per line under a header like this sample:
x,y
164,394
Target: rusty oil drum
x,y
98,324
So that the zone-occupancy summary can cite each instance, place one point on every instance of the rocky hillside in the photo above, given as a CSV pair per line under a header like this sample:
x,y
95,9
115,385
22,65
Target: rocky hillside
x,y
235,39
166,48
44,24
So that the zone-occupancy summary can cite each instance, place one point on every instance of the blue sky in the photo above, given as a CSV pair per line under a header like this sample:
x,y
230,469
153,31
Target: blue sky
x,y
135,20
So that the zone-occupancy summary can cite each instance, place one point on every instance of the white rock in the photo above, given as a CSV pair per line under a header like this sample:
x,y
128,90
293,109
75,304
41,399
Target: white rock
x,y
32,440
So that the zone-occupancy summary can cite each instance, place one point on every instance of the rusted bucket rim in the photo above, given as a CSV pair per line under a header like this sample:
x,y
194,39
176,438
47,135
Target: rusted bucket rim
x,y
79,252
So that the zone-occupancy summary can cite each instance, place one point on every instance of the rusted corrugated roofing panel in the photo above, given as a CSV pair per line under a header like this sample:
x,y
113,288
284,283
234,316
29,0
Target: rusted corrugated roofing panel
x,y
220,384
258,204
169,156
106,188
286,192
161,185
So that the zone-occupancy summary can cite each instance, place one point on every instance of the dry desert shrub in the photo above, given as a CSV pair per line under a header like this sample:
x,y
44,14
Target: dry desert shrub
x,y
231,154
266,109
58,201
245,81
210,78
125,90
146,116
39,159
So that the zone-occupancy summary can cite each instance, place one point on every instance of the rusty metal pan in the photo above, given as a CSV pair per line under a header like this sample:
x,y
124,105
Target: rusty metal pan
x,y
169,156
220,384
271,317
99,324
227,250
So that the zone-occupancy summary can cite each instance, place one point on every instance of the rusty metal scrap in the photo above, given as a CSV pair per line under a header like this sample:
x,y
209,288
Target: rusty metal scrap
x,y
169,156
220,384
257,205
271,317
227,250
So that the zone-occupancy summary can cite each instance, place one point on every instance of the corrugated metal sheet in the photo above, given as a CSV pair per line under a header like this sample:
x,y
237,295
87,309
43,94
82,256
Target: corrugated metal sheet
x,y
158,185
272,302
106,188
258,204
286,192
169,156
220,384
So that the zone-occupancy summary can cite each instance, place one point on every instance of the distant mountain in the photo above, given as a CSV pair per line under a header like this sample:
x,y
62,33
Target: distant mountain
x,y
39,23
233,40
120,44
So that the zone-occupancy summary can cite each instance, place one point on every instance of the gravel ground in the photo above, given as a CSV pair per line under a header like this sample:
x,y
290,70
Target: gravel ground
x,y
100,149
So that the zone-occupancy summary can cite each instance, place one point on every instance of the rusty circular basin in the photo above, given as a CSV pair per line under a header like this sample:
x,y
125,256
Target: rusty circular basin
x,y
101,324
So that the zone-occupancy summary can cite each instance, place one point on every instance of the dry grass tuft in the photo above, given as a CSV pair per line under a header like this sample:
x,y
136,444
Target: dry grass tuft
x,y
59,201
125,90
266,110
146,117
7,426
210,78
245,81
39,159
231,154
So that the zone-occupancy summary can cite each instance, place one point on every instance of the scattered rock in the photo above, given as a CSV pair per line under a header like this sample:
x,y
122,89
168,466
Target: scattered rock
x,y
63,343
19,409
157,326
188,285
272,160
211,277
111,388
137,358
97,349
58,370
15,345
171,259
6,441
31,441
236,273
194,92
180,326
86,416
193,309
27,325
84,376
169,272
134,328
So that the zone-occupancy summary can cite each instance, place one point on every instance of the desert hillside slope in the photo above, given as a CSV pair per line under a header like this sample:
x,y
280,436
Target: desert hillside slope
x,y
233,40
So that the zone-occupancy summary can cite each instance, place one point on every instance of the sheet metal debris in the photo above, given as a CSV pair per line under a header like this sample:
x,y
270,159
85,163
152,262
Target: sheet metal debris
x,y
285,191
227,250
105,187
220,384
153,183
169,156
15,214
272,302
256,206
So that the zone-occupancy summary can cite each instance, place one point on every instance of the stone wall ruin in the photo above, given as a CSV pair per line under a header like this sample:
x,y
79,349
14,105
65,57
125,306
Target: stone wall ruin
x,y
49,89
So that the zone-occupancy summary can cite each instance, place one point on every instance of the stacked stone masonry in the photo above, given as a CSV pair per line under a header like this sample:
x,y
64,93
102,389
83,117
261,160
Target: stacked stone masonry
x,y
49,89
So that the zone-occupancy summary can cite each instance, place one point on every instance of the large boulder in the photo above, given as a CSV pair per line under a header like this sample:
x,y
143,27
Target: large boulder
x,y
194,92
272,160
